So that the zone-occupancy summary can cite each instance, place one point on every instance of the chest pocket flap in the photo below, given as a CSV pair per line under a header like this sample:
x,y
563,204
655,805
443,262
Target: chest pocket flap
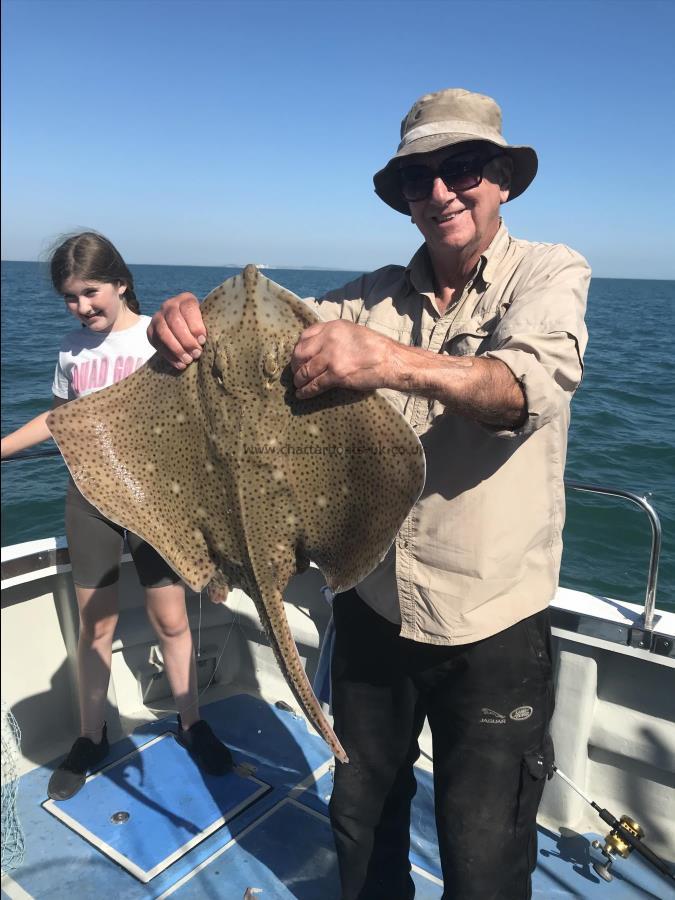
x,y
470,337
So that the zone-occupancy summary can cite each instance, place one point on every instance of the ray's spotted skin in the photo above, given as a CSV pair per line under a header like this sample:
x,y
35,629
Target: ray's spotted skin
x,y
235,481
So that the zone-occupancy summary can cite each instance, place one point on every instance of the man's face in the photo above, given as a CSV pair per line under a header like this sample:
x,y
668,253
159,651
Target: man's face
x,y
460,221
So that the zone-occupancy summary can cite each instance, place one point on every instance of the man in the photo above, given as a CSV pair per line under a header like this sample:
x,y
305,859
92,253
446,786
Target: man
x,y
479,342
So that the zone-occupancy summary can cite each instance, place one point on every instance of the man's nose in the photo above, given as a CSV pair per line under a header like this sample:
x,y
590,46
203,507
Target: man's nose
x,y
439,192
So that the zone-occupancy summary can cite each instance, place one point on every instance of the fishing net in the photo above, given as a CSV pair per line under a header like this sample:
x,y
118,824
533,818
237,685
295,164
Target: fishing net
x,y
12,835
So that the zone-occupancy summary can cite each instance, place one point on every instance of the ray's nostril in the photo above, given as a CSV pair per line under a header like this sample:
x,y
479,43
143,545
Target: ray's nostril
x,y
270,364
220,363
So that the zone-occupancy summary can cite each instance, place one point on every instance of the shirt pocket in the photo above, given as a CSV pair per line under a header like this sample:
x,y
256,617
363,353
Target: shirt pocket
x,y
472,336
467,339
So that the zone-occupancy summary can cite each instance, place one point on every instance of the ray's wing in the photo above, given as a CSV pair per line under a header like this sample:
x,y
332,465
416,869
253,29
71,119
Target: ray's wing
x,y
156,455
361,471
140,453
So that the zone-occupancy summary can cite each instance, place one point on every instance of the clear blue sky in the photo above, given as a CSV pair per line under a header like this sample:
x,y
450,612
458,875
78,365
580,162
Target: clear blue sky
x,y
214,132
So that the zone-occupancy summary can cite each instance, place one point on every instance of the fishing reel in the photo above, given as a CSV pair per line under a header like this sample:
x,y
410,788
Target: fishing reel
x,y
616,845
626,835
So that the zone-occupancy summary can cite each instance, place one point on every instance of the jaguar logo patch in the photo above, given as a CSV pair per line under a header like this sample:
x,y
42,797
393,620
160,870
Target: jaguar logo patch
x,y
492,717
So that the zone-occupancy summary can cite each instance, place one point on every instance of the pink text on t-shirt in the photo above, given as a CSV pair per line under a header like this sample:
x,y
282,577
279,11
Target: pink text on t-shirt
x,y
92,375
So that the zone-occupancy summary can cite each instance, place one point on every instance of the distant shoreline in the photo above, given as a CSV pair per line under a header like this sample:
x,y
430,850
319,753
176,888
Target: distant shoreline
x,y
264,268
286,268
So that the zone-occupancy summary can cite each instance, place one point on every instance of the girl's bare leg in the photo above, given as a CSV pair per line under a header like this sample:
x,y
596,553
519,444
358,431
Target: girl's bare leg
x,y
168,616
98,618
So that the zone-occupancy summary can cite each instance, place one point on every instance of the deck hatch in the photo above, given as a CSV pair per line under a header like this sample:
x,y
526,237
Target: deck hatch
x,y
171,806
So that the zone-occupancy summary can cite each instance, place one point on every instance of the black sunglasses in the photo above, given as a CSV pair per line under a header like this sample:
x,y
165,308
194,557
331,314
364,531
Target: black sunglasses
x,y
417,181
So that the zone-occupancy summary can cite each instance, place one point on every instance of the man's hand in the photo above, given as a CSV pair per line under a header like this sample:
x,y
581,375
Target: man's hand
x,y
177,331
342,354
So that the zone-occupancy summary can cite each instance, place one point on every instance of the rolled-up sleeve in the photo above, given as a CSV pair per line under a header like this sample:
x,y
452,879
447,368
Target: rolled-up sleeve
x,y
542,336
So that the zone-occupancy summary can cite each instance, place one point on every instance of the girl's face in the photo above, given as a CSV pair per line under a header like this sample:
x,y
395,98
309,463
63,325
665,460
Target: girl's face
x,y
97,304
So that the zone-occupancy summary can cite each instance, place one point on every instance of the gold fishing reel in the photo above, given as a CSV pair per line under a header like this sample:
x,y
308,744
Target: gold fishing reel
x,y
626,835
616,845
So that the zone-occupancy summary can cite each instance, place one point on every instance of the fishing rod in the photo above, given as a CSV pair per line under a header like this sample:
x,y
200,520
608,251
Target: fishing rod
x,y
626,835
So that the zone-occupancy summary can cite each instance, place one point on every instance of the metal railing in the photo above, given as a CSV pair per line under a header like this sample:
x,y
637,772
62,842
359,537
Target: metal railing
x,y
642,502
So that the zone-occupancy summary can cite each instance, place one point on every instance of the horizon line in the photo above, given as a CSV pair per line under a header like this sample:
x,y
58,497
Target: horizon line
x,y
265,267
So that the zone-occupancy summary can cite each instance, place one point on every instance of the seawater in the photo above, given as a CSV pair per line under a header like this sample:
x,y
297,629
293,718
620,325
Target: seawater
x,y
622,433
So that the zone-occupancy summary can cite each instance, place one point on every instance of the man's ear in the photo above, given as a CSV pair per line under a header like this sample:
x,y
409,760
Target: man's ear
x,y
505,173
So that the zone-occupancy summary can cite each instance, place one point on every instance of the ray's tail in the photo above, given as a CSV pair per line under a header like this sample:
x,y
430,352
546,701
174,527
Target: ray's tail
x,y
287,656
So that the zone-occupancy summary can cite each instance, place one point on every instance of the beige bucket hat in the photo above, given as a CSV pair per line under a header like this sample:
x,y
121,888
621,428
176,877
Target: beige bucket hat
x,y
443,119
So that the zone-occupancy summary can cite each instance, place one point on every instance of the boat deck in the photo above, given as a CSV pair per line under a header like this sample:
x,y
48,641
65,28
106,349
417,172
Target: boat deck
x,y
151,825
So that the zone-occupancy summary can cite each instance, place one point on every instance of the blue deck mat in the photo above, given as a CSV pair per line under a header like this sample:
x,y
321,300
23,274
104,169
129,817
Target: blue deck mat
x,y
58,863
275,843
287,855
167,803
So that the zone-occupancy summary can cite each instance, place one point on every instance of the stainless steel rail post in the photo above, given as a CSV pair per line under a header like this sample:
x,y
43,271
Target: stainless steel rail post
x,y
644,504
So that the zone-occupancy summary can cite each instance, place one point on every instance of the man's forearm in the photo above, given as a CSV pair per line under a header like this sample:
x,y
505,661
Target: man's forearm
x,y
481,389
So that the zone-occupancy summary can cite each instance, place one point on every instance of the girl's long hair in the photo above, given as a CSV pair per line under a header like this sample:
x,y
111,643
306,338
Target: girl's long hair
x,y
92,257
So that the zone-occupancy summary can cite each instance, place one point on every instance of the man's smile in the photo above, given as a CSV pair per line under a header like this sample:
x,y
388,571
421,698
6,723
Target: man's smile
x,y
441,218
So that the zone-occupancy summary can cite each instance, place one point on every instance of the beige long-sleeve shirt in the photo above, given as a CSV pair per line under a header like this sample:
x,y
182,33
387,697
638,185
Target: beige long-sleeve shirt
x,y
481,548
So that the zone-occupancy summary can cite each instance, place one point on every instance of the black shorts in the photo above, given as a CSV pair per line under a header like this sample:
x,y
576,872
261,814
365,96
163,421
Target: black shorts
x,y
95,546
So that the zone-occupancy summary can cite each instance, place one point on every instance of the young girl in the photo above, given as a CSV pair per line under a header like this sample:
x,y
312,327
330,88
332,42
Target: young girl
x,y
98,289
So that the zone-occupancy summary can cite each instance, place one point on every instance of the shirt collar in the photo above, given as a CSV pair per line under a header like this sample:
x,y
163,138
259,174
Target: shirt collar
x,y
494,254
420,272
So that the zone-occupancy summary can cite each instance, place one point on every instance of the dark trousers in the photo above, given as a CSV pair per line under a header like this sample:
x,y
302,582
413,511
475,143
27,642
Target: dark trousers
x,y
489,705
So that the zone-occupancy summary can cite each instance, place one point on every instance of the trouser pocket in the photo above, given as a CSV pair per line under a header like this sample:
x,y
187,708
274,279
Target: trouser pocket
x,y
536,766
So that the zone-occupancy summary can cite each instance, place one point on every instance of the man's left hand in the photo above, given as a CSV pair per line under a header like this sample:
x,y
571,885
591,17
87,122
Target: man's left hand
x,y
342,354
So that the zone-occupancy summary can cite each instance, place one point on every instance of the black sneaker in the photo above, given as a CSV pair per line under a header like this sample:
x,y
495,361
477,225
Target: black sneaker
x,y
208,752
84,756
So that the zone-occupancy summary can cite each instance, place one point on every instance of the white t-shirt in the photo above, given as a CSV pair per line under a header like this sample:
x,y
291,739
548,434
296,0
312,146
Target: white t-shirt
x,y
90,361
